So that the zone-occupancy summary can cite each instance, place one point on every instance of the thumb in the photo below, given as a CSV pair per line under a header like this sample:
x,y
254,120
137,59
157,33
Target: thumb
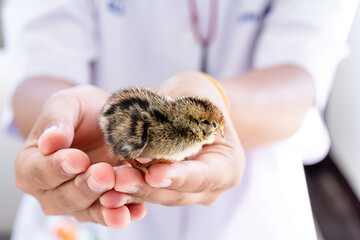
x,y
54,129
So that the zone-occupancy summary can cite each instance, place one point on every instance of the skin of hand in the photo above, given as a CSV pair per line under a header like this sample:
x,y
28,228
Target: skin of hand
x,y
258,97
266,106
198,180
65,164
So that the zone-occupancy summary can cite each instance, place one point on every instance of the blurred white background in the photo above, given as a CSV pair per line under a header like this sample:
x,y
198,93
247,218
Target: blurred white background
x,y
10,195
343,117
343,112
9,146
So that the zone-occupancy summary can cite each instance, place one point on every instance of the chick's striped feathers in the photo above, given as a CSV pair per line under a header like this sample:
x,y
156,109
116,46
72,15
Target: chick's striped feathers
x,y
125,119
138,122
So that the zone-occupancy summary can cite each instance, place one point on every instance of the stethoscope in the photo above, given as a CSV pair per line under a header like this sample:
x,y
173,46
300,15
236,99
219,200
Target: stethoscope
x,y
206,41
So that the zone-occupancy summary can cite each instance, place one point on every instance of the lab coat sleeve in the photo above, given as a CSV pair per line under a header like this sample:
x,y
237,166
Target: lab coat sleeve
x,y
51,38
307,33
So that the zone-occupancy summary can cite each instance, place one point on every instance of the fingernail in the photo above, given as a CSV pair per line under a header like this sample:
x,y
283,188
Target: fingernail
x,y
117,168
104,201
51,128
94,185
68,168
164,183
122,203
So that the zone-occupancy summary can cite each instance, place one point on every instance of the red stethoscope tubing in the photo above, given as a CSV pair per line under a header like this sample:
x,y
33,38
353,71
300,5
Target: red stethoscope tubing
x,y
204,41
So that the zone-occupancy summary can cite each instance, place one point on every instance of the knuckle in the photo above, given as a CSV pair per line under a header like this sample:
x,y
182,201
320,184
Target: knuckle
x,y
197,183
55,164
62,205
67,205
39,178
81,185
142,192
204,185
34,178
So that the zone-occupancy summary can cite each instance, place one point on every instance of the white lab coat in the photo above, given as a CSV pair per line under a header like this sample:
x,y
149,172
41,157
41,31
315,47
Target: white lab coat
x,y
119,43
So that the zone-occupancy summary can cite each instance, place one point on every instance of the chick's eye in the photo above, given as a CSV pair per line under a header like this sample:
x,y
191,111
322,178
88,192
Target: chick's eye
x,y
215,124
205,122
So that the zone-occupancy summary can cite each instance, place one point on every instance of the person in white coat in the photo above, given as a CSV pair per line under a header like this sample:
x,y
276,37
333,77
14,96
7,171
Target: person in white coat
x,y
275,61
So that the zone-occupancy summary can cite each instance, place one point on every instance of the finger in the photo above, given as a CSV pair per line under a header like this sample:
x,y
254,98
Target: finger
x,y
115,218
37,172
130,187
212,170
55,127
80,193
61,117
127,179
114,199
137,211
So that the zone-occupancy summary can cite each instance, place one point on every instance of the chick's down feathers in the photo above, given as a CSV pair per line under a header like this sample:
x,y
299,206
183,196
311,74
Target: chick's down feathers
x,y
140,123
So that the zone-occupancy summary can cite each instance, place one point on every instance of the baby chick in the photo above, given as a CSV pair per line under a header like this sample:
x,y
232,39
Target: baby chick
x,y
140,123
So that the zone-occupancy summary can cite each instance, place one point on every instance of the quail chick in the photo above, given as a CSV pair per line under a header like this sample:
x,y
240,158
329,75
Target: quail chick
x,y
140,123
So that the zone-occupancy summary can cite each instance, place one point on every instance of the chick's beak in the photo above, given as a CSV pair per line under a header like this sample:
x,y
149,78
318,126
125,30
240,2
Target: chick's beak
x,y
221,134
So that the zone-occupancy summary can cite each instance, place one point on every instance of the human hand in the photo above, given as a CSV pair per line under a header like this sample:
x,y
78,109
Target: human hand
x,y
65,163
200,179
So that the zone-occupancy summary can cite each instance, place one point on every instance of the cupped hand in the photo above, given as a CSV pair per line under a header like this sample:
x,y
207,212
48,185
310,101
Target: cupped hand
x,y
199,180
65,163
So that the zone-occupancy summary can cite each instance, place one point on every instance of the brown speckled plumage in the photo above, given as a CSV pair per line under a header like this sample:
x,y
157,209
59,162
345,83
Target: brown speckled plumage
x,y
140,123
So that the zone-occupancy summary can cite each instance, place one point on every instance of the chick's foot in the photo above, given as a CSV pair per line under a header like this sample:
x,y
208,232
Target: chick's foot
x,y
144,167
